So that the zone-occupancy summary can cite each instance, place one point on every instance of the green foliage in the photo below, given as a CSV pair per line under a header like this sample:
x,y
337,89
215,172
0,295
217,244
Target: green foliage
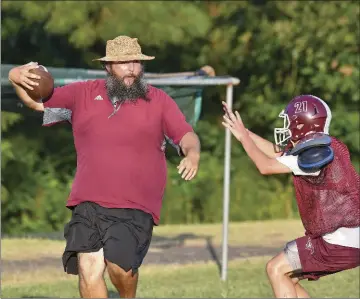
x,y
278,49
87,25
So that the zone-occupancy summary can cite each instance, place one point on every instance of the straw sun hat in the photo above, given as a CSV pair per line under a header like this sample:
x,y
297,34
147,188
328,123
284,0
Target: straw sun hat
x,y
123,48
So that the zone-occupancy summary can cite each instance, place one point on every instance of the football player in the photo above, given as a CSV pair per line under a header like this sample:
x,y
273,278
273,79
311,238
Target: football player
x,y
326,187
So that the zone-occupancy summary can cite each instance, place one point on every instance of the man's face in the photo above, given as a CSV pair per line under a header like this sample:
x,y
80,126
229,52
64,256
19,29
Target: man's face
x,y
126,80
126,71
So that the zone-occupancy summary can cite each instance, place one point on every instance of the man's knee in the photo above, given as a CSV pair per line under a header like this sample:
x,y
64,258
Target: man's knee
x,y
91,266
125,280
278,265
123,257
272,267
122,270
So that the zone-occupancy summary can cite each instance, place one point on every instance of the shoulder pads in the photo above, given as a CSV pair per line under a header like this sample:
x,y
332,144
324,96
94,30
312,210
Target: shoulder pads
x,y
313,140
315,158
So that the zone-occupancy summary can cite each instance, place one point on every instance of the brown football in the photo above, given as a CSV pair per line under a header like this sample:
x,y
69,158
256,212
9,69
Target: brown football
x,y
46,84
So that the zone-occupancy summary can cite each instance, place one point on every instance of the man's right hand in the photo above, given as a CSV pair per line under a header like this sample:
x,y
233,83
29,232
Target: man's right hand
x,y
21,75
21,78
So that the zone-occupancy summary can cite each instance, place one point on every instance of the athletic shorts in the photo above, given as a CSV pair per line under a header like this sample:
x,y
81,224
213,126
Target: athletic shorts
x,y
313,258
124,235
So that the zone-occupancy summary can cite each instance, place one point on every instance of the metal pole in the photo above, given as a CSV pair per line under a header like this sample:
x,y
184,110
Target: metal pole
x,y
226,189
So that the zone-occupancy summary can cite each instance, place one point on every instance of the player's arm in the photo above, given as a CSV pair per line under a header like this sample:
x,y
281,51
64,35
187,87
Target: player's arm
x,y
21,78
296,164
265,164
267,147
308,157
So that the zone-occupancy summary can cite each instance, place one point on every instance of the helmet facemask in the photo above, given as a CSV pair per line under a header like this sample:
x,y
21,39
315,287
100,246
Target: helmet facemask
x,y
282,135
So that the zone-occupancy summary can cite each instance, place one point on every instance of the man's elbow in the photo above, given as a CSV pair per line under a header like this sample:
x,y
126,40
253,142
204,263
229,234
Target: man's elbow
x,y
190,139
190,136
264,170
39,107
273,169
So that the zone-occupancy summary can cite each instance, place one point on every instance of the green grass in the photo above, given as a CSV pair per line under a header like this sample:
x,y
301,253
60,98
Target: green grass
x,y
246,279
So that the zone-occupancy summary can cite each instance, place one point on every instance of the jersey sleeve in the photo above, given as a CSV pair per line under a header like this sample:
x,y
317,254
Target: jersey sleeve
x,y
59,106
291,161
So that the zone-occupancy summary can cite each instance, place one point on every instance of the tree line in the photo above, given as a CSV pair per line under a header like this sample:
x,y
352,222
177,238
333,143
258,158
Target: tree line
x,y
278,49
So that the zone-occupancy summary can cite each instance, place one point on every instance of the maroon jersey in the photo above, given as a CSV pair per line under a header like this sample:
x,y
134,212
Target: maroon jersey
x,y
331,199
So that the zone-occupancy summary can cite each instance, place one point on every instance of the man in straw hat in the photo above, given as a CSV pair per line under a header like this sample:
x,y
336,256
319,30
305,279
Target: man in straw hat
x,y
119,124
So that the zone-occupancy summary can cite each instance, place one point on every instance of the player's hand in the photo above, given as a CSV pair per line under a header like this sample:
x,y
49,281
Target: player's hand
x,y
21,75
189,166
234,123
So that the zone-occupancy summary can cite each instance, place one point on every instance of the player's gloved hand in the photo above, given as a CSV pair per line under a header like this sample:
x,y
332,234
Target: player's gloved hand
x,y
21,75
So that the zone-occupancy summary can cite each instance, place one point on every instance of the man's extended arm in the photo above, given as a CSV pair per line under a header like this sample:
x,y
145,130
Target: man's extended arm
x,y
265,164
267,147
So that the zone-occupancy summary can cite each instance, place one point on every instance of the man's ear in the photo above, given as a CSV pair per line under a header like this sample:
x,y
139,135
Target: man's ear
x,y
107,67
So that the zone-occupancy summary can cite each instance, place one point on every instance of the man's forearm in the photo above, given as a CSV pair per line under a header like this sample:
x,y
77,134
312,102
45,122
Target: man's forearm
x,y
260,159
25,98
190,144
267,147
265,164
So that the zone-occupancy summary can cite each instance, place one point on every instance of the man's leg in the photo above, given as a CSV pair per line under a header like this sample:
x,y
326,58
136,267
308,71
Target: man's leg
x,y
91,275
125,245
278,270
124,281
300,291
83,255
120,256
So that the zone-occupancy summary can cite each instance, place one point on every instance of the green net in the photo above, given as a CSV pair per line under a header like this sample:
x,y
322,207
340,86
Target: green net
x,y
188,98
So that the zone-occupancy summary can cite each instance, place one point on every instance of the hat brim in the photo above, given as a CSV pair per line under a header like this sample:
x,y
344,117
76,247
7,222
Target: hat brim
x,y
125,58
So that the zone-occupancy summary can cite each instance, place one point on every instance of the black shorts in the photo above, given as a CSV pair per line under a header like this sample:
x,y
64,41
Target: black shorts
x,y
124,235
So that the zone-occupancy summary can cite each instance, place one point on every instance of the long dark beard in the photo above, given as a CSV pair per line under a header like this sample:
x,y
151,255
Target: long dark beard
x,y
118,91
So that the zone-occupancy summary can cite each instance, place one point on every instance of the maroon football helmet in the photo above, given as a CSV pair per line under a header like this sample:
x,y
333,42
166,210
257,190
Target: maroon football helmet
x,y
305,114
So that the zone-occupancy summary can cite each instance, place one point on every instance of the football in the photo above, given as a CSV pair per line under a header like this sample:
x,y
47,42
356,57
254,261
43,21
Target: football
x,y
46,84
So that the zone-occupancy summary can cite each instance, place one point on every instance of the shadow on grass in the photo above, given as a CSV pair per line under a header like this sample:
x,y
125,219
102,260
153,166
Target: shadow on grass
x,y
163,243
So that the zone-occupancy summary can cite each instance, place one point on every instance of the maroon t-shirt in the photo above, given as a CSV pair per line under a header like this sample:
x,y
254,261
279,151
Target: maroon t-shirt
x,y
120,158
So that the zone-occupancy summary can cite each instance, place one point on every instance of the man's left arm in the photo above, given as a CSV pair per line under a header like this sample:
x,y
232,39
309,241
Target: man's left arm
x,y
181,134
190,146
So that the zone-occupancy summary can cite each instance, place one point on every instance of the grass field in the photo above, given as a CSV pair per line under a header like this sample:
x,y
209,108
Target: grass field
x,y
246,277
262,233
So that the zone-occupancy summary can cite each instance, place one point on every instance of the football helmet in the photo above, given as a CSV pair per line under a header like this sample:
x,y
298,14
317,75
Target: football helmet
x,y
305,114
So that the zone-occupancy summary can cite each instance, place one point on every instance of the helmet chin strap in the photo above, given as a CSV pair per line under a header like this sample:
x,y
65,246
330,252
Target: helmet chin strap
x,y
294,143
